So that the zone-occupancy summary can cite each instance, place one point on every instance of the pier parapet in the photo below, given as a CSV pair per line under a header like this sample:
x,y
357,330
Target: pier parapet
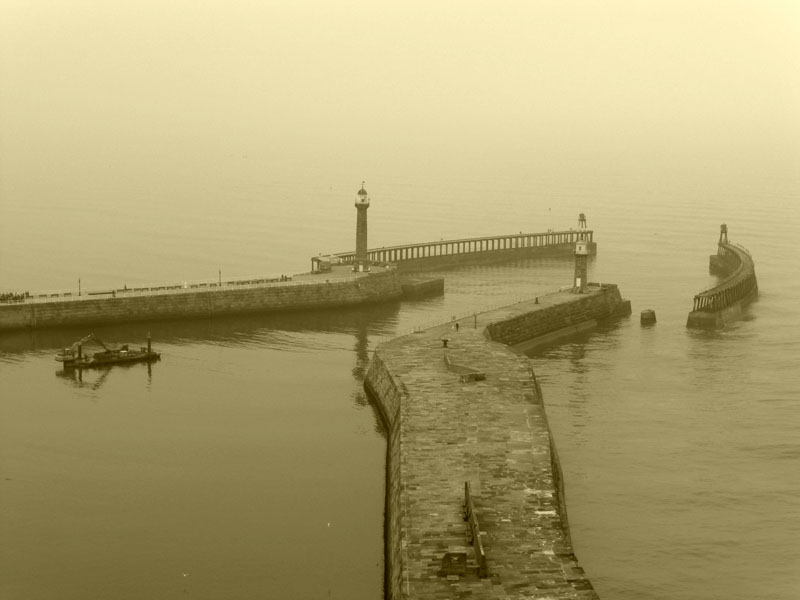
x,y
726,301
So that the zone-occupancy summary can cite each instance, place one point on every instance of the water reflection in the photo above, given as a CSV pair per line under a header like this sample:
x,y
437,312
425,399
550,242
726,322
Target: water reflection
x,y
234,330
95,378
362,350
359,373
75,377
568,369
293,332
255,427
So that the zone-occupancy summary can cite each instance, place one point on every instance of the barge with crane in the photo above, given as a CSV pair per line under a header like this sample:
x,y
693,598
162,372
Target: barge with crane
x,y
74,357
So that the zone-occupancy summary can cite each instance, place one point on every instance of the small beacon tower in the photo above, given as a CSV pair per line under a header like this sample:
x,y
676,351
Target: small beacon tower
x,y
581,257
361,263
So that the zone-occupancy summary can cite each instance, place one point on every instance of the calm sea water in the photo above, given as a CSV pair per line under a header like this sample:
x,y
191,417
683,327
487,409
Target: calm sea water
x,y
248,462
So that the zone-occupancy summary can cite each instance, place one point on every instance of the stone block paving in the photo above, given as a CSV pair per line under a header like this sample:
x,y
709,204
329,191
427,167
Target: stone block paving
x,y
494,434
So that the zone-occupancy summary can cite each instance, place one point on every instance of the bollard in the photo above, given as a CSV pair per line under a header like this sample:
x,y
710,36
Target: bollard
x,y
444,342
648,317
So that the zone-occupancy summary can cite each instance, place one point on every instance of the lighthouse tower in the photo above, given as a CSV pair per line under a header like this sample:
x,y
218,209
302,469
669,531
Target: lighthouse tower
x,y
581,257
361,263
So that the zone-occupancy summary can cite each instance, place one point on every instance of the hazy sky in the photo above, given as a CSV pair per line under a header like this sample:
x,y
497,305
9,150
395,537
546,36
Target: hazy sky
x,y
379,85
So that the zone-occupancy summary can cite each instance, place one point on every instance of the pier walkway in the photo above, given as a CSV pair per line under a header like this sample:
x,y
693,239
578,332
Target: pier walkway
x,y
339,287
190,287
463,409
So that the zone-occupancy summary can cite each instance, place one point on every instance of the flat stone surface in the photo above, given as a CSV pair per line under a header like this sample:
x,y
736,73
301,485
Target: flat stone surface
x,y
337,273
494,434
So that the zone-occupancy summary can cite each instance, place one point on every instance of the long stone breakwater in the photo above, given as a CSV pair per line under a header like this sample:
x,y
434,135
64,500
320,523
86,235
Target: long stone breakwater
x,y
474,495
340,287
725,302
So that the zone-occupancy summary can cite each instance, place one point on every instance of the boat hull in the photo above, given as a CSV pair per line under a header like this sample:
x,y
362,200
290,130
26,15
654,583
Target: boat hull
x,y
90,362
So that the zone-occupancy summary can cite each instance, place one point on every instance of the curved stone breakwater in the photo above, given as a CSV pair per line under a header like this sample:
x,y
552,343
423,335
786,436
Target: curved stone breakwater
x,y
715,307
461,407
340,287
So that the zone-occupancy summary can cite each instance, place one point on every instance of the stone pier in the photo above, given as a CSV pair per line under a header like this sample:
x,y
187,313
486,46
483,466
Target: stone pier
x,y
461,407
339,287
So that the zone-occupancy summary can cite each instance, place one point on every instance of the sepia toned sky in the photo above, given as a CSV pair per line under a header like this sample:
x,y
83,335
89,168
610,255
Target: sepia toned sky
x,y
407,85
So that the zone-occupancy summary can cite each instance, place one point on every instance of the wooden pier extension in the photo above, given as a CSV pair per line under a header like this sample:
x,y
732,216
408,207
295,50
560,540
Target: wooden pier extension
x,y
725,302
447,253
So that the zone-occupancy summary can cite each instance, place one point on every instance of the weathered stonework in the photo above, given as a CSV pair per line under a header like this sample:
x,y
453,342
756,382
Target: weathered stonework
x,y
421,287
554,317
316,291
445,429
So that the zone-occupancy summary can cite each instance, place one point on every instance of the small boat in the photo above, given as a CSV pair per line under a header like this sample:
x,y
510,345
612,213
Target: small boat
x,y
74,358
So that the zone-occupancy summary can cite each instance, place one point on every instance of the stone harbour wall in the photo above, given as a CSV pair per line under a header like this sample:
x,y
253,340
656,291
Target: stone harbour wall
x,y
181,304
380,384
446,428
549,318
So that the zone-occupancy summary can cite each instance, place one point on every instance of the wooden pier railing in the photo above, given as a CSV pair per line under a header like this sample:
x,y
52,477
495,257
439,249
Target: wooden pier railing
x,y
740,284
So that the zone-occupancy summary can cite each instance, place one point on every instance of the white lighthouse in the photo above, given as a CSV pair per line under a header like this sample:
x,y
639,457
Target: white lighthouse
x,y
581,257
